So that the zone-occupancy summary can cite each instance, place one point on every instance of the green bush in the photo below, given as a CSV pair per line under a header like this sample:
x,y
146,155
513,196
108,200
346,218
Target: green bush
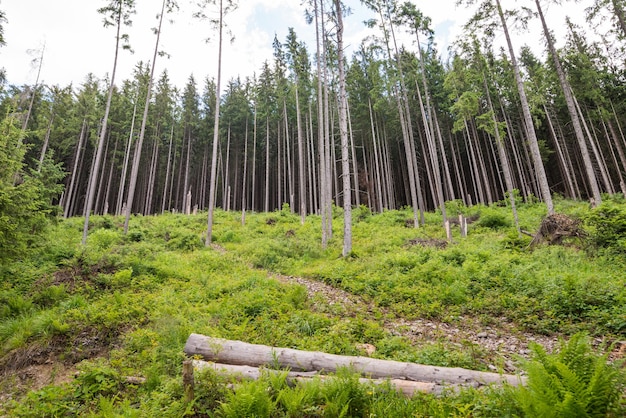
x,y
574,382
608,227
494,221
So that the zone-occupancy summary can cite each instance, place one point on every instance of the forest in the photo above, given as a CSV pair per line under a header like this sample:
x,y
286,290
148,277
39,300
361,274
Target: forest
x,y
134,212
486,123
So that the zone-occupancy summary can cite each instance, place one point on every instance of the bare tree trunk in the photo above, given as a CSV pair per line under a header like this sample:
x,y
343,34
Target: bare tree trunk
x,y
301,159
540,172
289,176
571,108
135,168
267,165
241,353
107,193
253,199
245,169
96,208
69,196
34,93
504,161
46,141
378,180
322,122
167,171
91,186
216,126
343,131
355,171
564,166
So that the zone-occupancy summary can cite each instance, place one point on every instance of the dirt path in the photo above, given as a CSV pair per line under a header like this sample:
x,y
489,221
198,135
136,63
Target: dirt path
x,y
502,342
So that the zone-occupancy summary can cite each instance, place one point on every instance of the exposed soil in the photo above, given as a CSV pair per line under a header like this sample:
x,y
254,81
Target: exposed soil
x,y
36,366
502,341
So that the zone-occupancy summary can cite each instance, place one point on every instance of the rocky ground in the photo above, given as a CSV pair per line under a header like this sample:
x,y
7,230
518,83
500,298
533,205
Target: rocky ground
x,y
502,341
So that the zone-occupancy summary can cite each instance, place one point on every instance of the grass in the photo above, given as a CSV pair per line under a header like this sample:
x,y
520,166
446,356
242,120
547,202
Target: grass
x,y
124,305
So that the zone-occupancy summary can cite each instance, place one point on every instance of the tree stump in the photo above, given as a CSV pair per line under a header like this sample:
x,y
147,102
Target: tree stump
x,y
555,228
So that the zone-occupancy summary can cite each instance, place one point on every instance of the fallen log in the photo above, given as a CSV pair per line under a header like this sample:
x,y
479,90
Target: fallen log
x,y
241,353
406,387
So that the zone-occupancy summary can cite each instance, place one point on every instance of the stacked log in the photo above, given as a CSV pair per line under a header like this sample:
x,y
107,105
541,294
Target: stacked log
x,y
246,360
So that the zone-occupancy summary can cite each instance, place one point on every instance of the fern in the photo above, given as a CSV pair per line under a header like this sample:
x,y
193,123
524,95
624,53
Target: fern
x,y
574,382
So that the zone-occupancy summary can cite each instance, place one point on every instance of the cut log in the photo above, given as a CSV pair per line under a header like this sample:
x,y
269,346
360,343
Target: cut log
x,y
241,353
406,387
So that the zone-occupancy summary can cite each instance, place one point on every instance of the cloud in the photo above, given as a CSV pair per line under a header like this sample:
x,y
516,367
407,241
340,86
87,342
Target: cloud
x,y
78,44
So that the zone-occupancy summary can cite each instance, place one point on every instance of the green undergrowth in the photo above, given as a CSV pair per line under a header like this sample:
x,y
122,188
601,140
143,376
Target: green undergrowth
x,y
124,305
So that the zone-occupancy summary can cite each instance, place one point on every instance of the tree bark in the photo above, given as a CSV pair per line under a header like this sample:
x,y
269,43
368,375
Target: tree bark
x,y
216,134
241,353
539,169
406,387
343,131
571,108
135,167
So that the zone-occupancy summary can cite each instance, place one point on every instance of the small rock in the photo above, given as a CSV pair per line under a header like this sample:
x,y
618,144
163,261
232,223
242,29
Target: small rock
x,y
492,367
482,335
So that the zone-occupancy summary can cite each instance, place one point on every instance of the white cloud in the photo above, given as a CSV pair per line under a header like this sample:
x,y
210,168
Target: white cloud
x,y
77,43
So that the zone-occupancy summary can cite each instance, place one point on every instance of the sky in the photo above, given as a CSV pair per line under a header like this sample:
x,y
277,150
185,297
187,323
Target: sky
x,y
76,43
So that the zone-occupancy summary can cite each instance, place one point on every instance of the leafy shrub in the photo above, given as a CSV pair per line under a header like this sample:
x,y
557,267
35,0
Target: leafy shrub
x,y
494,221
575,382
251,399
97,379
608,222
50,295
13,304
104,238
186,241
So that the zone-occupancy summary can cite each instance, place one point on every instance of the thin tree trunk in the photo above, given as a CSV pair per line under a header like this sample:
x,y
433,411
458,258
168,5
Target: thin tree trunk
x,y
343,131
245,168
253,199
571,108
91,186
46,141
539,169
355,171
135,167
107,193
267,164
504,161
167,170
69,196
216,126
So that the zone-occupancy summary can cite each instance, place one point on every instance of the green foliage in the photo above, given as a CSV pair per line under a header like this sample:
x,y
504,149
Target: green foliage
x,y
608,227
138,301
249,400
574,382
97,379
494,221
25,197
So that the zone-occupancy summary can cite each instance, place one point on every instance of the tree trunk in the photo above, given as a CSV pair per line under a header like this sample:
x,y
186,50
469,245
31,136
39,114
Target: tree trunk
x,y
46,141
136,159
571,108
70,195
539,169
216,126
406,387
241,353
91,186
343,131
